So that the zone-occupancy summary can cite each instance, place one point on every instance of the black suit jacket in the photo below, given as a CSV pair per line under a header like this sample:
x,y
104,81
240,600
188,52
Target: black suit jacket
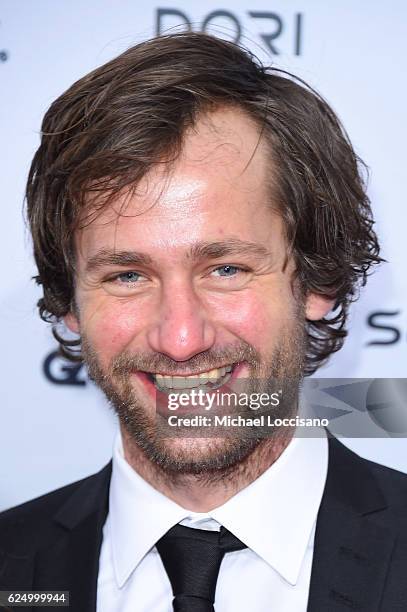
x,y
360,554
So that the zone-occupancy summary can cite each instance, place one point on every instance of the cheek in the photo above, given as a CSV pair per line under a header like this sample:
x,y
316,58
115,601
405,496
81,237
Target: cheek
x,y
257,317
109,326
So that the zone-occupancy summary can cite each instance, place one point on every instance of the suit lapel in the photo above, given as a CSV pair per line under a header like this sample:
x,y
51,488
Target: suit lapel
x,y
72,562
68,559
351,551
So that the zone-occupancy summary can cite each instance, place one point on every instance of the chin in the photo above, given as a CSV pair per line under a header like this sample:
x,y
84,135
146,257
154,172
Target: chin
x,y
198,455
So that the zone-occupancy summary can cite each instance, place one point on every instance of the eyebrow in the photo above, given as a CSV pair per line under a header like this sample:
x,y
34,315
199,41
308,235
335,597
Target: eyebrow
x,y
234,246
199,251
105,257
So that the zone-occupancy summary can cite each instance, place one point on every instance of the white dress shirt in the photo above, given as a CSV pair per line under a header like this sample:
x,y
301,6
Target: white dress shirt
x,y
274,516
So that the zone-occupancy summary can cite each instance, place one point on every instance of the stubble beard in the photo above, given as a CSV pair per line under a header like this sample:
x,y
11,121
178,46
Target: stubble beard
x,y
208,458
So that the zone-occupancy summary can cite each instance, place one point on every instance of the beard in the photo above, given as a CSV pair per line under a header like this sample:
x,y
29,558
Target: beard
x,y
207,456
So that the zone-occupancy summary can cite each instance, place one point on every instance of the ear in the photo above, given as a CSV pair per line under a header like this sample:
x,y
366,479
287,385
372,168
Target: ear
x,y
72,323
317,306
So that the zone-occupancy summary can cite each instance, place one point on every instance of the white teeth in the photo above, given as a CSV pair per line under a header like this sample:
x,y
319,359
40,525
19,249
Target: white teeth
x,y
180,383
194,380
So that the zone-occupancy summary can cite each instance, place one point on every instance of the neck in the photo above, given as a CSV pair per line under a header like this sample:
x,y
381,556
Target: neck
x,y
204,492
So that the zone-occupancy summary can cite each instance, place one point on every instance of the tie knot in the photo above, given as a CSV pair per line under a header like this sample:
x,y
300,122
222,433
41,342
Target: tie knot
x,y
192,559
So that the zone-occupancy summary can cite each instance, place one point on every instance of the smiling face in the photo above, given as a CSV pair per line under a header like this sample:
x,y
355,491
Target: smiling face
x,y
187,276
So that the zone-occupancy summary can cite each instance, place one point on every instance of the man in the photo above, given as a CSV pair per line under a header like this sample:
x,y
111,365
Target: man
x,y
200,222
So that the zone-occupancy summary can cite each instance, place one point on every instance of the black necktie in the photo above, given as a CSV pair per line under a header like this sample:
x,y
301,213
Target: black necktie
x,y
192,559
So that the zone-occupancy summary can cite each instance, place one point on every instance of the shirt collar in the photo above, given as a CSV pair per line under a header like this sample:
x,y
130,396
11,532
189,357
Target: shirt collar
x,y
139,515
274,516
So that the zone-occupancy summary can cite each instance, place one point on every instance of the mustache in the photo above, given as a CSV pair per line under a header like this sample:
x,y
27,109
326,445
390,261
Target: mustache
x,y
127,362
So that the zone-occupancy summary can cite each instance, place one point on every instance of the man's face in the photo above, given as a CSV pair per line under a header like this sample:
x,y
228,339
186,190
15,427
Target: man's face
x,y
186,276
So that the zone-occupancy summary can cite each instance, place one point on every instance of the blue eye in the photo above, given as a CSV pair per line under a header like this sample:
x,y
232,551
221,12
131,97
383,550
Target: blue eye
x,y
228,270
128,277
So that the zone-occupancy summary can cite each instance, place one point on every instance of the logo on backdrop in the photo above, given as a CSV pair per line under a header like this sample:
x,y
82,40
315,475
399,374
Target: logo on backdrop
x,y
4,55
59,371
386,327
270,25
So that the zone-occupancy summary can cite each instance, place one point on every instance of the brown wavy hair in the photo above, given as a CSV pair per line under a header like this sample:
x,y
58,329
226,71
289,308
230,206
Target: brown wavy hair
x,y
108,129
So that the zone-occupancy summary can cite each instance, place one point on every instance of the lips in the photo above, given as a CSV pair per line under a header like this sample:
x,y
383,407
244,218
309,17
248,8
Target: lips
x,y
160,398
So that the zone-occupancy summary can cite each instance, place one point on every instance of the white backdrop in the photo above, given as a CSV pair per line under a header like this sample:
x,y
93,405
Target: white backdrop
x,y
352,52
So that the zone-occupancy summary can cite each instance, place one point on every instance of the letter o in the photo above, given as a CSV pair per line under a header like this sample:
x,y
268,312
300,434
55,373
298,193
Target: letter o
x,y
227,14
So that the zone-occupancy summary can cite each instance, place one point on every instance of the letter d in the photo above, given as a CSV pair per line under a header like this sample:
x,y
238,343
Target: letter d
x,y
161,13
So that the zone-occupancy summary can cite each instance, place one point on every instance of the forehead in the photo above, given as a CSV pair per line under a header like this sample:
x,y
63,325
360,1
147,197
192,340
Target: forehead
x,y
220,184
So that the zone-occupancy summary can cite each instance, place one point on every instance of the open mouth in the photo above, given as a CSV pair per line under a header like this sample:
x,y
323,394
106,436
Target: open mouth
x,y
210,380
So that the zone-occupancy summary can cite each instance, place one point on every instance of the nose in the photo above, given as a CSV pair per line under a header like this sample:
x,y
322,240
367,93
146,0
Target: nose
x,y
182,328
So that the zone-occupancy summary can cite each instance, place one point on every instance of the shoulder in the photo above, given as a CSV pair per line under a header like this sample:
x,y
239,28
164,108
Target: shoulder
x,y
42,506
350,467
349,459
392,482
32,520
